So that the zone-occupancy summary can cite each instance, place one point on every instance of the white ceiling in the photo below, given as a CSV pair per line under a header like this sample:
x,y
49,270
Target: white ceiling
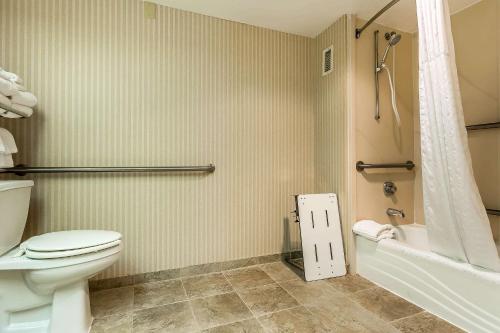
x,y
306,17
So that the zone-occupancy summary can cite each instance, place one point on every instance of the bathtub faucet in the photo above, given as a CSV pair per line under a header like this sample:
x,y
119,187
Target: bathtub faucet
x,y
395,212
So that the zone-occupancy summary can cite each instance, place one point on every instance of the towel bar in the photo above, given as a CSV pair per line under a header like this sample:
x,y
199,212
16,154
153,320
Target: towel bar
x,y
22,170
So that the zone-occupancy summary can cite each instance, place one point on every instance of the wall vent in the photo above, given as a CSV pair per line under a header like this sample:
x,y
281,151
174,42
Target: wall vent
x,y
327,60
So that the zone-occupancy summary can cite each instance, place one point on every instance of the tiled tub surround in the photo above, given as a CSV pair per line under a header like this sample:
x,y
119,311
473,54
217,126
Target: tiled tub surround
x,y
270,297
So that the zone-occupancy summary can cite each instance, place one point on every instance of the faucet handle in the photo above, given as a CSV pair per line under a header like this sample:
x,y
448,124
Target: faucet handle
x,y
389,188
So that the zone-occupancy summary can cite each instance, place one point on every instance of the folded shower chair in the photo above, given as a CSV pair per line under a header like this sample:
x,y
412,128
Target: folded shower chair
x,y
321,235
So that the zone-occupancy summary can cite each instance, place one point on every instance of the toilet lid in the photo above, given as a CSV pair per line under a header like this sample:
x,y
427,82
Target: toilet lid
x,y
69,243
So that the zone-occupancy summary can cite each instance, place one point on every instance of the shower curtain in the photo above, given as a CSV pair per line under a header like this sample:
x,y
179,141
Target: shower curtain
x,y
455,216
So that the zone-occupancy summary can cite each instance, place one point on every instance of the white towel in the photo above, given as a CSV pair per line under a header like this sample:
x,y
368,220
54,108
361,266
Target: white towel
x,y
5,101
7,114
24,98
7,88
7,142
6,161
10,76
24,110
373,230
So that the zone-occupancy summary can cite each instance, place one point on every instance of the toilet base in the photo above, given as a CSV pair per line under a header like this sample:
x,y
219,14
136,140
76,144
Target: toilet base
x,y
28,312
71,308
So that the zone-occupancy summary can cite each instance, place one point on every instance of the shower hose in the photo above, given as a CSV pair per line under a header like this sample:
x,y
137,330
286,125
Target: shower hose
x,y
393,95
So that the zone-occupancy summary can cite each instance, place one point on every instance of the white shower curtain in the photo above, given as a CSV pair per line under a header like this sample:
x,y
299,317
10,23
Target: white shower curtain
x,y
456,219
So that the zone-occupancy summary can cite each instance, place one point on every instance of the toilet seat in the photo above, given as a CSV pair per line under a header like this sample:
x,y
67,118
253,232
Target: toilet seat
x,y
64,244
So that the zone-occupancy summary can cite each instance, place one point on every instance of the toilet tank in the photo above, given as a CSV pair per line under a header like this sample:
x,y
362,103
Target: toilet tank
x,y
14,204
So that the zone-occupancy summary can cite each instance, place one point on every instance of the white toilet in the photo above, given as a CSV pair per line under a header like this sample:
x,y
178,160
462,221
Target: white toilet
x,y
44,280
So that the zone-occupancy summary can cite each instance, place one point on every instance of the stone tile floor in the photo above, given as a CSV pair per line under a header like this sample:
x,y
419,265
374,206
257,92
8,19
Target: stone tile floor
x,y
263,298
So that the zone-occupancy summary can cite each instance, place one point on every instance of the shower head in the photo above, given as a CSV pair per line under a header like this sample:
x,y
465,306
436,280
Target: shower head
x,y
393,40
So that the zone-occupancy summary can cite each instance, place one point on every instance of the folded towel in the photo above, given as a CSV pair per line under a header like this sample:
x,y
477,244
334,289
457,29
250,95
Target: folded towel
x,y
7,114
20,87
5,101
373,230
6,161
10,76
24,110
7,88
24,98
7,142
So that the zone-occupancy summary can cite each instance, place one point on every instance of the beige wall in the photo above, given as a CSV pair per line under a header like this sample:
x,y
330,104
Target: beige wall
x,y
476,34
382,141
333,123
117,89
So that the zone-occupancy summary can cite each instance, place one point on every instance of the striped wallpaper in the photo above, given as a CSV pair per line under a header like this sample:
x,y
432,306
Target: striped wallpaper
x,y
118,89
332,123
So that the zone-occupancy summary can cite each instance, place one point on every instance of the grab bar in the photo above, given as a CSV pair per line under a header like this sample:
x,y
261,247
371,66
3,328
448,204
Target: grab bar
x,y
361,166
493,212
483,126
22,170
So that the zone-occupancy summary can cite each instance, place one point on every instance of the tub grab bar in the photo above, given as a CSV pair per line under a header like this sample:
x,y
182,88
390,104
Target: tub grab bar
x,y
361,166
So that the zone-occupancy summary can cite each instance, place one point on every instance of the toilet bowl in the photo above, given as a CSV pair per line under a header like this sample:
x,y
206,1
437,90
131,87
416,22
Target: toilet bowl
x,y
44,280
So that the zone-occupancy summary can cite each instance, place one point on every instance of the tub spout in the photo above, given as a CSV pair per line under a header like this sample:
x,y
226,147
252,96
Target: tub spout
x,y
395,212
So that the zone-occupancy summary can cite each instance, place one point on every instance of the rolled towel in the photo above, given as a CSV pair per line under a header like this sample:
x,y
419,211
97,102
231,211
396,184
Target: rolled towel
x,y
7,88
7,142
373,230
23,110
7,114
5,101
6,161
10,76
24,98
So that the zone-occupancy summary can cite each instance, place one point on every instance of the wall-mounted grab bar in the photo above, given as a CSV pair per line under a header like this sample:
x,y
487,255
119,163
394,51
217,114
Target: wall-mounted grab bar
x,y
360,165
493,212
22,170
483,126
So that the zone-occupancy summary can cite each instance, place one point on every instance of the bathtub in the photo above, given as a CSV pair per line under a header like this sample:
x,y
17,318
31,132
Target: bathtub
x,y
467,296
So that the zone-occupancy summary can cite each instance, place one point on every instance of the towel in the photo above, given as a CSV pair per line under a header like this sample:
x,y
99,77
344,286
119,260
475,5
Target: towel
x,y
10,76
6,161
5,101
23,110
7,114
7,142
372,230
24,98
7,88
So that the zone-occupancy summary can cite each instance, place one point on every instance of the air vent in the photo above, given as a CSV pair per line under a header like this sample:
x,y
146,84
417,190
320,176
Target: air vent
x,y
327,60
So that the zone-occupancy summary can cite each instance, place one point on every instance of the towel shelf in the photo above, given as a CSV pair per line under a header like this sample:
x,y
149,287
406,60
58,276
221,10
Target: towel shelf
x,y
483,126
361,166
9,109
22,170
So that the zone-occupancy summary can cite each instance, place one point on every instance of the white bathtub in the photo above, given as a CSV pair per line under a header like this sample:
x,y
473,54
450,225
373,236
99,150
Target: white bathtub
x,y
467,296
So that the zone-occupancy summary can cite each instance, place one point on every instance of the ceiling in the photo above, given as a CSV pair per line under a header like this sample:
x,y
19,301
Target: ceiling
x,y
306,17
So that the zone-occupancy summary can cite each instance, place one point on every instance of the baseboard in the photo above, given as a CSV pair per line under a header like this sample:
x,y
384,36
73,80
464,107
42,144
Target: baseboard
x,y
176,273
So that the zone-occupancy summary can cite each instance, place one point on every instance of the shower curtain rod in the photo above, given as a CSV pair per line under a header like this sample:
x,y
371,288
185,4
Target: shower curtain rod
x,y
370,21
22,170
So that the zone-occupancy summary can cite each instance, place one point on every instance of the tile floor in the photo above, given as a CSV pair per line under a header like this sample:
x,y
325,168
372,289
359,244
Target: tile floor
x,y
263,298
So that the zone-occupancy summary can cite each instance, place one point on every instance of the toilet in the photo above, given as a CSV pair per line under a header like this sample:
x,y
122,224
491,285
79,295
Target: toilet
x,y
44,280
